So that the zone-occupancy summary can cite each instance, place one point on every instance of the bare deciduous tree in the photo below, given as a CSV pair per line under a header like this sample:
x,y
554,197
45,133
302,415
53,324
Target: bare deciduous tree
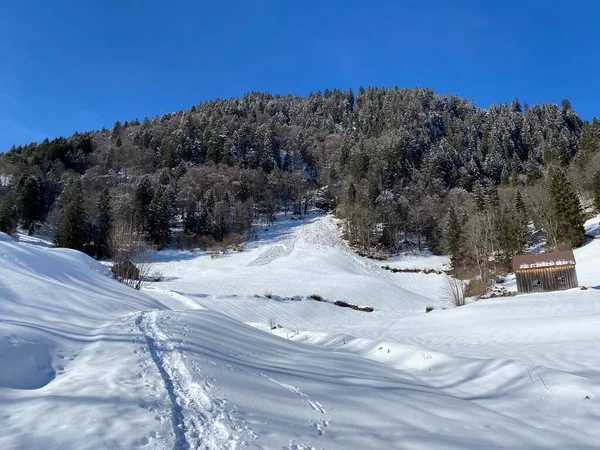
x,y
542,214
130,255
456,291
479,236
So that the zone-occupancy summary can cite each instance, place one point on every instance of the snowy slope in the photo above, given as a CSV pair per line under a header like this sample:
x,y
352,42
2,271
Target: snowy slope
x,y
300,258
587,257
528,358
86,363
65,358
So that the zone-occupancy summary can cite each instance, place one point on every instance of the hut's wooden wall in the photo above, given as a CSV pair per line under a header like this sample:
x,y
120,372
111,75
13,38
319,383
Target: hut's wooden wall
x,y
545,279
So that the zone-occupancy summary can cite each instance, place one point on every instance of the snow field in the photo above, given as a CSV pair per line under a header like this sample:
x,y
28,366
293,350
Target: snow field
x,y
529,358
87,363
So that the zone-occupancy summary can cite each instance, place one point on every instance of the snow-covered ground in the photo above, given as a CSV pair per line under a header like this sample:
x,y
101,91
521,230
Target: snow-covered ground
x,y
87,363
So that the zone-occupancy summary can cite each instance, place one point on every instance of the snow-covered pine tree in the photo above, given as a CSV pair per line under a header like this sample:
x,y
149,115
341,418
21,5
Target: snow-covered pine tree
x,y
73,229
103,225
596,188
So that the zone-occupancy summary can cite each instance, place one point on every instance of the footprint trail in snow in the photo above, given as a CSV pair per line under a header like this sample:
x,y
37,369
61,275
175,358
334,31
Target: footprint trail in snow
x,y
200,420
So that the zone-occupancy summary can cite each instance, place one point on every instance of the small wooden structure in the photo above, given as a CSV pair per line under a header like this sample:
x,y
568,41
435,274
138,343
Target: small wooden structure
x,y
545,272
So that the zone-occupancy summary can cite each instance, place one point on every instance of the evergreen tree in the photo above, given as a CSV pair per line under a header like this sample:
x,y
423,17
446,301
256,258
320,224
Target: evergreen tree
x,y
511,237
196,221
596,189
159,220
8,214
479,196
104,225
515,167
142,198
522,221
453,240
492,199
30,202
567,208
73,229
589,144
351,194
520,203
190,224
164,178
433,236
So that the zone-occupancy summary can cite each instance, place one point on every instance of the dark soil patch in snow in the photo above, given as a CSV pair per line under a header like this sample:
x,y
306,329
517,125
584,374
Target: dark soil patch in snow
x,y
351,306
317,298
425,271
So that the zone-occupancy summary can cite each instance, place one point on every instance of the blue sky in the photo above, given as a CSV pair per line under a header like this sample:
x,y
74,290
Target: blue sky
x,y
80,65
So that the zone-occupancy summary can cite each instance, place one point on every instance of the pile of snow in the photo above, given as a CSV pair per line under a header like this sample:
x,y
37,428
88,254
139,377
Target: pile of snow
x,y
302,258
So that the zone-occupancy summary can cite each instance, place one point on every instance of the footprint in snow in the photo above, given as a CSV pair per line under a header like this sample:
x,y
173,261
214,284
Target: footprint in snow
x,y
294,446
321,426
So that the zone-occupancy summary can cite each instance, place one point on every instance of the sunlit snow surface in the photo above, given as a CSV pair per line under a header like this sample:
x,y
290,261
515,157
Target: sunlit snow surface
x,y
86,363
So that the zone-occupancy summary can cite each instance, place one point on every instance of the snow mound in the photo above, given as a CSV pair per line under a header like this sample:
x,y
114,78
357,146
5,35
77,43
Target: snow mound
x,y
40,285
301,258
66,377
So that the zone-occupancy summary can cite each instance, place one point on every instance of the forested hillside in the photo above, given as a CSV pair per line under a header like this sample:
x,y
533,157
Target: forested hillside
x,y
398,164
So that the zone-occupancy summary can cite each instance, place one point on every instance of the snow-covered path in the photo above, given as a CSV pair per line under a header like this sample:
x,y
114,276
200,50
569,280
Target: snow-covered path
x,y
199,420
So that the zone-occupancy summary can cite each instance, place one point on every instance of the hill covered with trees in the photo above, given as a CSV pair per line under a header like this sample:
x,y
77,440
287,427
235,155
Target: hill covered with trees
x,y
399,164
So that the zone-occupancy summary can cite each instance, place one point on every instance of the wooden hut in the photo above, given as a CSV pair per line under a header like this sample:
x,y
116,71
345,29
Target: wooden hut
x,y
545,272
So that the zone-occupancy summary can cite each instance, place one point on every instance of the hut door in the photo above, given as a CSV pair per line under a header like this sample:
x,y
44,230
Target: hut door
x,y
536,285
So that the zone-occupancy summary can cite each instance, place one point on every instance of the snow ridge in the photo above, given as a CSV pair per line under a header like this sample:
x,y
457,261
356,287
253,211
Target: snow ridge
x,y
199,421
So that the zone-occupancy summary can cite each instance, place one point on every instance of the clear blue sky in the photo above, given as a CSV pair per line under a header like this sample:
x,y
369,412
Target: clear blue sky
x,y
79,65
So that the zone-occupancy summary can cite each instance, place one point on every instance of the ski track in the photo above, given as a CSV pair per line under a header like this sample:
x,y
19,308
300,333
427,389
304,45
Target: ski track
x,y
199,420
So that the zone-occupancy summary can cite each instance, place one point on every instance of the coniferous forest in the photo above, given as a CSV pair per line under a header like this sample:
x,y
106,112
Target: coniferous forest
x,y
406,168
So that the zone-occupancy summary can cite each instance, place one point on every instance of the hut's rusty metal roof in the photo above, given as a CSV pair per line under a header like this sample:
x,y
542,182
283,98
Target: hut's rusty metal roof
x,y
564,258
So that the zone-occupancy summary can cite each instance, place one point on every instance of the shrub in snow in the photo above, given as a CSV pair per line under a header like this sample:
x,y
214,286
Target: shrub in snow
x,y
157,277
475,288
125,270
272,323
456,291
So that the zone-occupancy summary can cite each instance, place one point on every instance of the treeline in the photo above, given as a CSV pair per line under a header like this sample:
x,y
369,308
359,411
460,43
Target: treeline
x,y
400,165
486,228
205,204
